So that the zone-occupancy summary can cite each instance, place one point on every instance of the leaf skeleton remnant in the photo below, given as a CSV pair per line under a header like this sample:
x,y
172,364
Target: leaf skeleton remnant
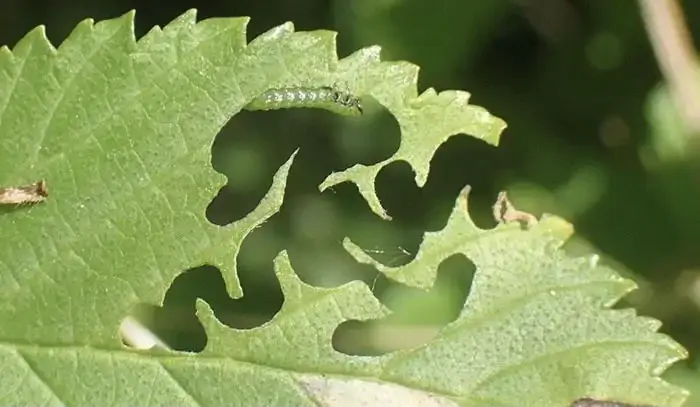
x,y
26,194
324,97
505,212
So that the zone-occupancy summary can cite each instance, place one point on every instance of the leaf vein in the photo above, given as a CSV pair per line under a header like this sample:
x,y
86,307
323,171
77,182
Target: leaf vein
x,y
179,385
85,62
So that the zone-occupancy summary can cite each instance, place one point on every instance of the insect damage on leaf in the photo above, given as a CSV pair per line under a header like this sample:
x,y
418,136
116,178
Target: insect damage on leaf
x,y
200,64
26,194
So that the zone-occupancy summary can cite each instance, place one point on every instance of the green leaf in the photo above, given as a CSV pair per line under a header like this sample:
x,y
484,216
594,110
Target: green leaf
x,y
536,329
122,130
426,121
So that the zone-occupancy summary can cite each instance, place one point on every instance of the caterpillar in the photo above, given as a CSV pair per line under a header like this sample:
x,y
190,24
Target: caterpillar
x,y
325,97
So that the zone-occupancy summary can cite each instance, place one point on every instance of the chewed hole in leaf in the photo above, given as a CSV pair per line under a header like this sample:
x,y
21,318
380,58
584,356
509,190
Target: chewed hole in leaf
x,y
312,252
173,327
176,324
254,144
314,249
460,161
418,315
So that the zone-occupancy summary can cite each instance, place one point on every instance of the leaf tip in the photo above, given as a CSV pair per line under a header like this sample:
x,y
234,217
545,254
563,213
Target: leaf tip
x,y
463,201
37,36
129,15
127,19
364,185
275,33
367,55
189,16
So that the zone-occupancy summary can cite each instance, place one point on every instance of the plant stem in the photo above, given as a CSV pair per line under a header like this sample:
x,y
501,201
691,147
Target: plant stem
x,y
676,56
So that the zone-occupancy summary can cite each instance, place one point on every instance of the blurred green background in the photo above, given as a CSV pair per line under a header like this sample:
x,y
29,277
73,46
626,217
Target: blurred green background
x,y
592,137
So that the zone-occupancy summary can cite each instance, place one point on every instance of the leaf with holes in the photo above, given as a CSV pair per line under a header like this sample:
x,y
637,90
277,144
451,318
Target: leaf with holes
x,y
536,329
121,131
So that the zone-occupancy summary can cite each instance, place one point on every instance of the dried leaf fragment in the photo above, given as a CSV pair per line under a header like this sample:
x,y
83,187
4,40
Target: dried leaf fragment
x,y
27,194
505,212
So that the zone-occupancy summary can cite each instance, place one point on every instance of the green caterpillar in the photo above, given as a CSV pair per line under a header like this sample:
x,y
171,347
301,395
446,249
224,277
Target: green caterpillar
x,y
325,97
